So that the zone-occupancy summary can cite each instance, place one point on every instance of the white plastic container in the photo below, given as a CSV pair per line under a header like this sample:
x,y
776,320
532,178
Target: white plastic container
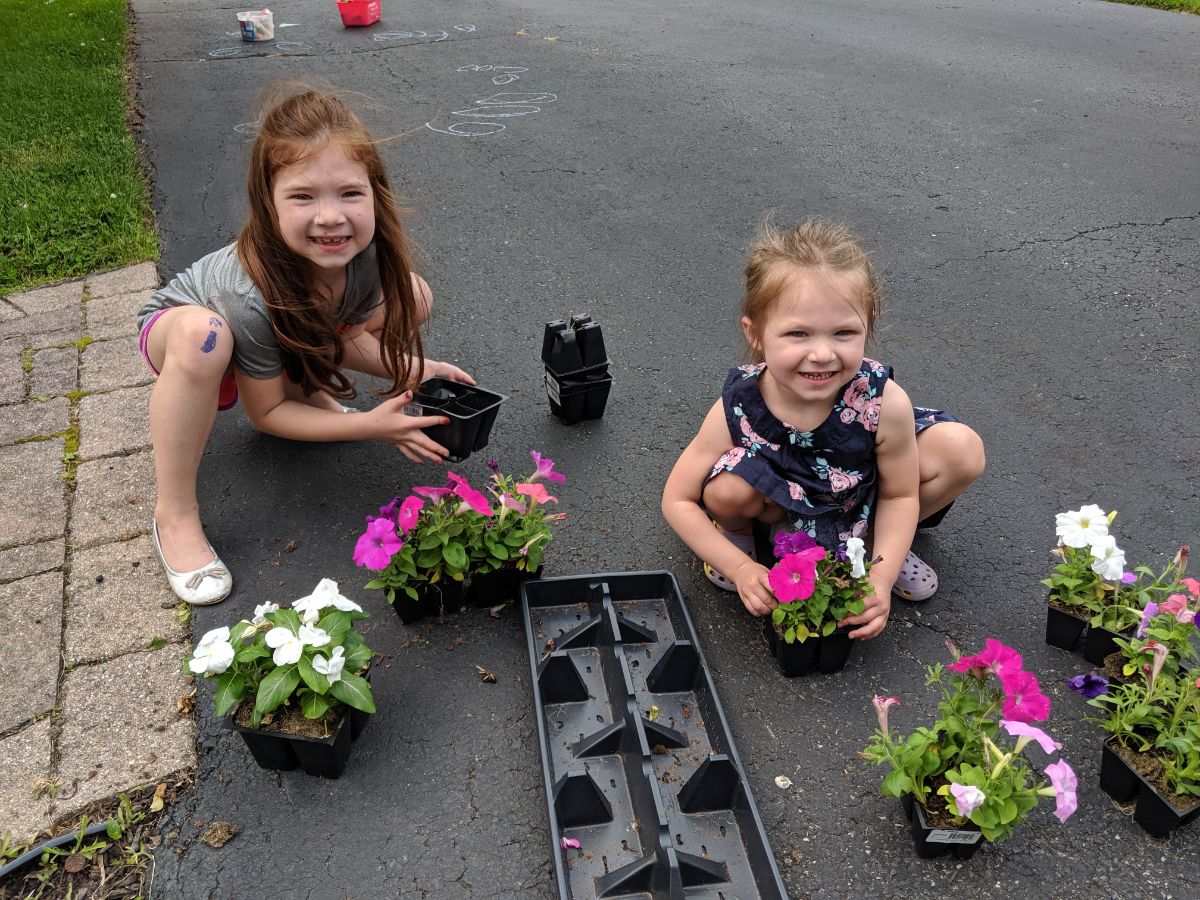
x,y
257,25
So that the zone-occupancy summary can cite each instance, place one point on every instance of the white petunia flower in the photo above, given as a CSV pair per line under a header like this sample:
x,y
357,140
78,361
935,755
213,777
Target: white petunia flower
x,y
260,612
331,668
1083,527
325,594
313,637
287,646
214,653
1108,560
857,551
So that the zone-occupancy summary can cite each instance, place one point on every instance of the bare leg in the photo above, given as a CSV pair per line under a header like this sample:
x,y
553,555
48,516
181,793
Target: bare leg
x,y
734,504
191,348
951,457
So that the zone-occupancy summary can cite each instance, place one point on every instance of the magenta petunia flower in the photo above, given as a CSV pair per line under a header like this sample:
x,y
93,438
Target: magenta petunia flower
x,y
1023,698
469,495
377,546
792,542
795,576
1063,780
537,492
1023,730
408,513
965,664
545,469
999,659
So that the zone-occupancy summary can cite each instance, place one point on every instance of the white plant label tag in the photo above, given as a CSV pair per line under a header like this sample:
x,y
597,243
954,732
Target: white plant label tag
x,y
552,389
950,836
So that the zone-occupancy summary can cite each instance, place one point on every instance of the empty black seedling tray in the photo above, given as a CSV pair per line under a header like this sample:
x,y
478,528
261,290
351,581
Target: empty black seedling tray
x,y
470,409
572,400
638,761
574,347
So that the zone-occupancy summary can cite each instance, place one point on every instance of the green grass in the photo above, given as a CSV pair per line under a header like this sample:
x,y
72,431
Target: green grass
x,y
1189,6
73,198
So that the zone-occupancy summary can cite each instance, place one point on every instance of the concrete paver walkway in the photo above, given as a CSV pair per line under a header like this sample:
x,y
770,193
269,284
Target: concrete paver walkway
x,y
93,636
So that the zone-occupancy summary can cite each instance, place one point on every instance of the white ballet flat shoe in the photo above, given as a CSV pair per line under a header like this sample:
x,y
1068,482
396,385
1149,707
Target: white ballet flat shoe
x,y
210,583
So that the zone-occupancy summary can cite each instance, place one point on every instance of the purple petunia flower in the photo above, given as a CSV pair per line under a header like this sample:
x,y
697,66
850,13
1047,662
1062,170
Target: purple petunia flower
x,y
787,542
1148,613
1089,684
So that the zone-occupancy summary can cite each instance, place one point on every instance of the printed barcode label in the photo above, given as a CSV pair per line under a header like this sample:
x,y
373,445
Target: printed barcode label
x,y
945,836
414,409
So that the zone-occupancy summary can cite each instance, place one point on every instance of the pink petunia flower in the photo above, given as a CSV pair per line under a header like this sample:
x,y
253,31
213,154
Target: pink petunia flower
x,y
1063,780
965,664
436,494
882,705
795,576
512,502
407,515
545,469
967,797
1161,652
1022,730
537,492
1192,585
377,546
1023,698
469,495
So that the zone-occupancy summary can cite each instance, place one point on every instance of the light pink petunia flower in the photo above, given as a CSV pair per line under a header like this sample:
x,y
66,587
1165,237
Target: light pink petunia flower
x,y
1063,780
545,469
1026,731
537,492
967,797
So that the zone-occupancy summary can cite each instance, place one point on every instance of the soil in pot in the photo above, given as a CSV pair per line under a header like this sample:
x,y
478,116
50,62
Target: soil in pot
x,y
287,739
1159,810
935,832
1114,668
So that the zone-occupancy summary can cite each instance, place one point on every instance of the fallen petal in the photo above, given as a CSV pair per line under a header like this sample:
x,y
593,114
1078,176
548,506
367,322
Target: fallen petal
x,y
782,781
570,844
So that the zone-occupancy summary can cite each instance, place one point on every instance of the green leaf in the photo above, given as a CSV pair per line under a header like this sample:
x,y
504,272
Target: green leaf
x,y
287,618
790,635
357,656
455,556
777,614
276,688
229,691
427,559
896,784
253,652
374,584
429,541
515,540
314,705
314,679
113,829
353,690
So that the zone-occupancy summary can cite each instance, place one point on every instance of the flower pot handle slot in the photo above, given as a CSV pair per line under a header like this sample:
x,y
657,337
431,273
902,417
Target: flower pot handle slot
x,y
559,680
657,733
633,633
713,787
678,670
634,878
696,870
578,801
586,634
608,739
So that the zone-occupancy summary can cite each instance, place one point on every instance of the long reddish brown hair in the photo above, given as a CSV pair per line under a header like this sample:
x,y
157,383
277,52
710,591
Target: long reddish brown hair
x,y
294,128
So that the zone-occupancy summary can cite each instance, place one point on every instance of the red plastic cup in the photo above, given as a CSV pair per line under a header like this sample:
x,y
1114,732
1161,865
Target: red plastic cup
x,y
358,12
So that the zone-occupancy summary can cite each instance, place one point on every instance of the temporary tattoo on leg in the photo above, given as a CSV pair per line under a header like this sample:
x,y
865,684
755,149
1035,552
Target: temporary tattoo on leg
x,y
215,322
210,342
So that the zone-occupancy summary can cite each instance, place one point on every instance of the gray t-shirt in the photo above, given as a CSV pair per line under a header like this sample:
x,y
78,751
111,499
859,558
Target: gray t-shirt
x,y
218,282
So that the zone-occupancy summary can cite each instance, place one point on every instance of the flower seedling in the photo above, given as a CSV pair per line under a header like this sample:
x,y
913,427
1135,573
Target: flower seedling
x,y
816,589
971,756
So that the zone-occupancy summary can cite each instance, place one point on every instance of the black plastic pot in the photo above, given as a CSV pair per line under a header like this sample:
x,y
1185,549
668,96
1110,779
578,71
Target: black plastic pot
x,y
325,757
931,843
470,409
816,654
432,600
500,586
1117,778
1063,628
1157,815
1100,643
573,401
571,346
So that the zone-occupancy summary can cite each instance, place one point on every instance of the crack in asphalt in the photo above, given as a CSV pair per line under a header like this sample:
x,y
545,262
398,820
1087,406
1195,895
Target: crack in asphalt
x,y
1081,234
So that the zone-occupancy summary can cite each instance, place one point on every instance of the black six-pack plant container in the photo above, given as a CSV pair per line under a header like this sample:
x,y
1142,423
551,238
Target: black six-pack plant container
x,y
638,760
577,379
470,409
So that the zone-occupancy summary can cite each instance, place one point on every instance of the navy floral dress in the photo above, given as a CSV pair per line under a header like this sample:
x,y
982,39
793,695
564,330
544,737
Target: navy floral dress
x,y
826,479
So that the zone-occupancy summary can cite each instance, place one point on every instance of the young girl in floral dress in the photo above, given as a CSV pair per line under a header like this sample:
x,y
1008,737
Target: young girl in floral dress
x,y
319,281
815,435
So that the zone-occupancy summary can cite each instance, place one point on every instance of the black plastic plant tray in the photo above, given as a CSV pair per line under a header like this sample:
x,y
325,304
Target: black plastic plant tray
x,y
637,757
583,401
470,409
